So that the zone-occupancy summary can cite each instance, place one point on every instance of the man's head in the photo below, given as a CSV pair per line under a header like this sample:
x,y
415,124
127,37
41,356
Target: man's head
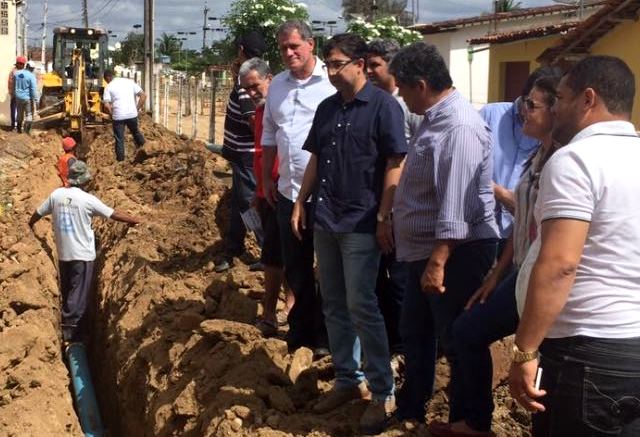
x,y
251,45
107,75
21,61
295,42
255,77
379,55
421,75
79,174
598,88
30,66
345,56
68,144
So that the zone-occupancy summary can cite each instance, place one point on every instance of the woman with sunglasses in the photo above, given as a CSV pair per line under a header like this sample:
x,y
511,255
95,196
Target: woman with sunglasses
x,y
491,312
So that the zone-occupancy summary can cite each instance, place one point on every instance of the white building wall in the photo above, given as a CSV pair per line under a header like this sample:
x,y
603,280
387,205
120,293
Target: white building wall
x,y
454,48
8,50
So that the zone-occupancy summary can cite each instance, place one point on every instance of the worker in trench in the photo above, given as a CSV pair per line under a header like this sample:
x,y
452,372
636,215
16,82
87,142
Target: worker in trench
x,y
72,209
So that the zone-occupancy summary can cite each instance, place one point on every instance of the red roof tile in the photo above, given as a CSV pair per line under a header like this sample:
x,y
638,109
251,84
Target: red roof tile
x,y
517,35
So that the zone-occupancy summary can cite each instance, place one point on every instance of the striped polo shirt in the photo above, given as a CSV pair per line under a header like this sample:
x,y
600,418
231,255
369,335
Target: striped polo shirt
x,y
238,136
445,190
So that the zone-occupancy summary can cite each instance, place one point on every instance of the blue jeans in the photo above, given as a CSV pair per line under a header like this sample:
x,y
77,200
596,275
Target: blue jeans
x,y
306,321
243,187
473,332
348,265
118,135
392,281
427,318
593,387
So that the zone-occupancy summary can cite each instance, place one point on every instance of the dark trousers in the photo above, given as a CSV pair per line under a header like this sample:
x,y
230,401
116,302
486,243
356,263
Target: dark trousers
x,y
75,285
306,321
243,187
426,318
13,107
392,281
118,135
473,332
593,387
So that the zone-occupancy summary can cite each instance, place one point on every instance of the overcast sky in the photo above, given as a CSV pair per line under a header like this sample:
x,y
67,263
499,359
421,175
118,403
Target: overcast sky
x,y
187,15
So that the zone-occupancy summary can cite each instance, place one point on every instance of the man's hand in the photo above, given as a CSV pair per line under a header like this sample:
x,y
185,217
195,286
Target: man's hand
x,y
384,235
490,283
522,385
298,219
269,190
432,280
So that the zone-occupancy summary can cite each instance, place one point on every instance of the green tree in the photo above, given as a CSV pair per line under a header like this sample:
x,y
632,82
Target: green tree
x,y
263,16
168,45
507,5
383,28
131,50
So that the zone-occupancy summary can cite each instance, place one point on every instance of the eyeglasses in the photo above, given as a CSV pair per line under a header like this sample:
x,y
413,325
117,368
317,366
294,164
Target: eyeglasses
x,y
337,66
530,105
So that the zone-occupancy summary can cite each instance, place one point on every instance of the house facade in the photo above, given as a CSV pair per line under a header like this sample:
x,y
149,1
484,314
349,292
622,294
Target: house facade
x,y
12,43
470,64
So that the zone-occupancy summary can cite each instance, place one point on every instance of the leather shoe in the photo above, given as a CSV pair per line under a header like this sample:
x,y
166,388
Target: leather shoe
x,y
339,396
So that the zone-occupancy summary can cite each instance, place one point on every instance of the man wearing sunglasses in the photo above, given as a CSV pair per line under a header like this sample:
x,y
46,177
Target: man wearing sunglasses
x,y
357,145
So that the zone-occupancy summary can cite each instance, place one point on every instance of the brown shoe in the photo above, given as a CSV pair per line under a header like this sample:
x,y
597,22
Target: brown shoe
x,y
376,417
336,397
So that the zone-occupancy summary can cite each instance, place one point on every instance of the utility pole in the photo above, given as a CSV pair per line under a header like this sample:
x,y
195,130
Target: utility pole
x,y
149,61
85,13
205,28
43,55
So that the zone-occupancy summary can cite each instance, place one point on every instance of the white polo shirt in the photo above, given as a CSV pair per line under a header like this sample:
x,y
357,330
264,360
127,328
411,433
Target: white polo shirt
x,y
121,93
596,178
288,115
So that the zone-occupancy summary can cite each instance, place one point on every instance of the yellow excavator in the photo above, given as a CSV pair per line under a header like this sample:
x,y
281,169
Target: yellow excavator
x,y
72,92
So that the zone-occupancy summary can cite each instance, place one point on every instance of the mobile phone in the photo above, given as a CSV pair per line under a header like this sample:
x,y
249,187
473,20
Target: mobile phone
x,y
538,378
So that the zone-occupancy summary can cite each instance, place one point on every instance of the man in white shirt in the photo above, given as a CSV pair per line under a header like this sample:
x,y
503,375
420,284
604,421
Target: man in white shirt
x,y
72,209
582,307
288,113
119,100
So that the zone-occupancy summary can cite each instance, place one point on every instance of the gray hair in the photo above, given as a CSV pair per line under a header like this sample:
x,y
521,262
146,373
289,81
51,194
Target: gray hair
x,y
257,64
385,48
289,26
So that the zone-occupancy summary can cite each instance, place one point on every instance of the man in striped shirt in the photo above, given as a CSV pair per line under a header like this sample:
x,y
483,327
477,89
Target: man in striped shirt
x,y
239,149
443,217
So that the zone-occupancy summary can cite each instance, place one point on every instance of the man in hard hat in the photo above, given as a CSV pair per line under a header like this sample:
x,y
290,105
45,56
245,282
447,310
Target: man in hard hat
x,y
66,160
25,90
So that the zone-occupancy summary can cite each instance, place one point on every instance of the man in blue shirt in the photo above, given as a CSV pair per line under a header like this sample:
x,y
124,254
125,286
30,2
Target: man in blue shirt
x,y
26,93
511,148
357,145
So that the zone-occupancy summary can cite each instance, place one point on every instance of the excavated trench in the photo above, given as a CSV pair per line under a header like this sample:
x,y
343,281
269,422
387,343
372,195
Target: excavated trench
x,y
174,351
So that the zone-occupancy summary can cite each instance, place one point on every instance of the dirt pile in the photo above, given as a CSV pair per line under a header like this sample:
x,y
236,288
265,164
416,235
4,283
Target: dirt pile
x,y
174,350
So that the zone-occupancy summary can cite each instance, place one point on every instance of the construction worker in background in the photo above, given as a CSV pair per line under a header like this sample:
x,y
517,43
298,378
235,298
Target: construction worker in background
x,y
72,209
66,160
12,91
124,100
25,90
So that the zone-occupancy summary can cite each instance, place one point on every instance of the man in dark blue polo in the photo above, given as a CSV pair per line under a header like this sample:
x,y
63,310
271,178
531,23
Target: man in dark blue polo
x,y
357,145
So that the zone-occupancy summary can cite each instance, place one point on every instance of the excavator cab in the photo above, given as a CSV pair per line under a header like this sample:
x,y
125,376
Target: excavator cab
x,y
72,91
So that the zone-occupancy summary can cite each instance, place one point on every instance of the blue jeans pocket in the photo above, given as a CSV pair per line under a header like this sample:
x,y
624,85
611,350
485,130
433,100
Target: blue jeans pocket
x,y
611,399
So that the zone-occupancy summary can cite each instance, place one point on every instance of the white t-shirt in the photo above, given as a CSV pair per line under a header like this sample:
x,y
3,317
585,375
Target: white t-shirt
x,y
121,93
72,210
595,178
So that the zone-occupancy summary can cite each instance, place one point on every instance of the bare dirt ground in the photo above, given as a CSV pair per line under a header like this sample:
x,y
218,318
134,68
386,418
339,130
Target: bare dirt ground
x,y
174,349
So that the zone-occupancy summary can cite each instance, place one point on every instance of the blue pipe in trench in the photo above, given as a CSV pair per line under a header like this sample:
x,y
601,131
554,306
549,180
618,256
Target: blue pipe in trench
x,y
83,391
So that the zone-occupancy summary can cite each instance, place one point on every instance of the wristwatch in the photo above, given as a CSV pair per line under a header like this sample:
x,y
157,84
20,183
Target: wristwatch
x,y
522,357
383,218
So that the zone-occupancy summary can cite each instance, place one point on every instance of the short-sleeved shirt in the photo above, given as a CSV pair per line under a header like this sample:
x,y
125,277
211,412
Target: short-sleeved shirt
x,y
595,179
288,114
72,210
445,190
25,85
511,149
238,136
121,94
352,141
